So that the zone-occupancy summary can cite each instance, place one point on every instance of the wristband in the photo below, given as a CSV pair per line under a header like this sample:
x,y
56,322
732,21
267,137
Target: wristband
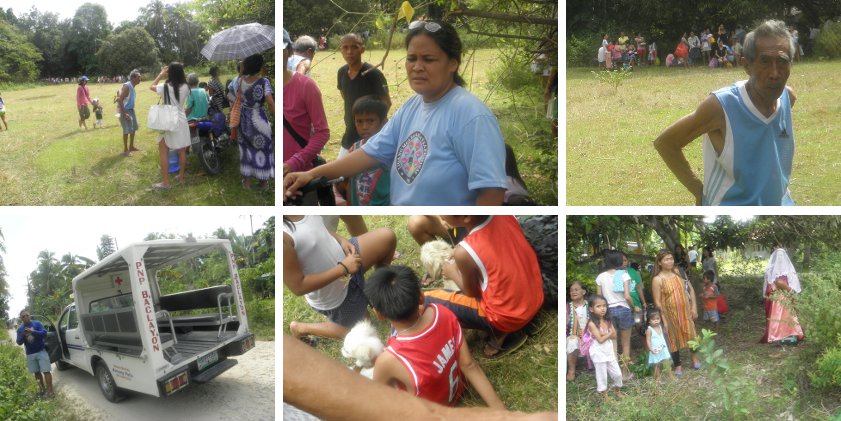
x,y
347,271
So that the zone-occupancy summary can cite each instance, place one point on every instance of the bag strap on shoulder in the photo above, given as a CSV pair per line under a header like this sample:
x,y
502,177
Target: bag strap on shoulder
x,y
298,138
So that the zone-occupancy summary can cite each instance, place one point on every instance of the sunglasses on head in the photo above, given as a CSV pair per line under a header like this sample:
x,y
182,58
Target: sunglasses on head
x,y
429,26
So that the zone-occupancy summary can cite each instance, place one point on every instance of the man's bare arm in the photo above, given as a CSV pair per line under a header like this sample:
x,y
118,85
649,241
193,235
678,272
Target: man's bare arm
x,y
707,118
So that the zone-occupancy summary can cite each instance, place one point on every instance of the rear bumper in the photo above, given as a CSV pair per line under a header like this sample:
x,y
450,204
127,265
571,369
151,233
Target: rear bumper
x,y
236,347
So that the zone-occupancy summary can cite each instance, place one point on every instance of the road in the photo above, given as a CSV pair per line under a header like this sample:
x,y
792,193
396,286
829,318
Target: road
x,y
246,391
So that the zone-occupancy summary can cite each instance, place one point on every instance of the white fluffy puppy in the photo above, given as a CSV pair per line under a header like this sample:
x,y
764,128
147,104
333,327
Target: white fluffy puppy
x,y
434,255
364,346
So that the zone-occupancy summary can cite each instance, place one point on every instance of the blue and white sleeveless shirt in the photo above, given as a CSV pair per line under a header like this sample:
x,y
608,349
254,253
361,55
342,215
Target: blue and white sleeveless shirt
x,y
754,166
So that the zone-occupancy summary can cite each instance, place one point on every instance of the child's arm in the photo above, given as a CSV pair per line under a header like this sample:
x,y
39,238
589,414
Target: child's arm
x,y
597,335
648,340
611,330
299,282
388,370
468,276
477,378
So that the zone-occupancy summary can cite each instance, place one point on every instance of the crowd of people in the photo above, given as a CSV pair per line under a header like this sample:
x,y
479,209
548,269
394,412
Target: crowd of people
x,y
719,48
599,321
497,296
98,79
443,136
246,97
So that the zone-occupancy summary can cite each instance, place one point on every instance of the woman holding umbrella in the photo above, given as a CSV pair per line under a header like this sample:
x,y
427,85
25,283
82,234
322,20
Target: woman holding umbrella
x,y
256,146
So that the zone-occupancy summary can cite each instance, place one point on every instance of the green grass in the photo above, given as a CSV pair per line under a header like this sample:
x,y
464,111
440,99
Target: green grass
x,y
775,373
49,160
19,391
610,159
520,114
526,380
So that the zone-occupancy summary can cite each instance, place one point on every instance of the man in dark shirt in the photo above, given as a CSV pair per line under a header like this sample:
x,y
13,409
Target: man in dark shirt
x,y
355,80
31,335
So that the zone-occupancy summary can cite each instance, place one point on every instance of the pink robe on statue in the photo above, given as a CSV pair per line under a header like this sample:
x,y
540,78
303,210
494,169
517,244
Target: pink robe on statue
x,y
780,320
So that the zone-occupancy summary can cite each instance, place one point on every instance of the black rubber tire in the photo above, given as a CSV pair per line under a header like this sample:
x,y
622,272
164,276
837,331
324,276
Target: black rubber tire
x,y
209,157
61,365
106,383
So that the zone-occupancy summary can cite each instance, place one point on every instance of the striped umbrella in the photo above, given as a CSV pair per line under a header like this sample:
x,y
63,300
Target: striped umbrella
x,y
239,42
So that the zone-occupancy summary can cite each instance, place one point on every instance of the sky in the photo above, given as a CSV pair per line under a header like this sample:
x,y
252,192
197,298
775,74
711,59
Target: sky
x,y
28,231
117,11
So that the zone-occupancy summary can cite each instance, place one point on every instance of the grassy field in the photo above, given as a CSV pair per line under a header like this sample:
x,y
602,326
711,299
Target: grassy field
x,y
49,160
610,159
779,386
526,380
520,114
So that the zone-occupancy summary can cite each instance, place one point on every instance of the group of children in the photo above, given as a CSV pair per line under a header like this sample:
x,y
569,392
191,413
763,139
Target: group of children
x,y
591,334
500,292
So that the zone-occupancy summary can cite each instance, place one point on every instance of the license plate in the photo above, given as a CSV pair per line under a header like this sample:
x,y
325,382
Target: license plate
x,y
207,360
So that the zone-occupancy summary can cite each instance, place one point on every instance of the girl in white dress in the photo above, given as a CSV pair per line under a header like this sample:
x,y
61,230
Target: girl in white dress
x,y
602,352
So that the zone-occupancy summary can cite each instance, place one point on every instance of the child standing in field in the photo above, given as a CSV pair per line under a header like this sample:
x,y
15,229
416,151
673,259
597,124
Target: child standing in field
x,y
426,355
655,341
710,297
577,317
97,108
601,349
3,112
371,187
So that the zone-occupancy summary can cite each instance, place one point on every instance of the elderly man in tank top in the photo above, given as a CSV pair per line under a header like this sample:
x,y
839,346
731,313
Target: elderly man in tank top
x,y
748,142
125,106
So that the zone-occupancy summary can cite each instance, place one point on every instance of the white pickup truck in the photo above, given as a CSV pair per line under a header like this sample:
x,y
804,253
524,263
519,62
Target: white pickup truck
x,y
123,331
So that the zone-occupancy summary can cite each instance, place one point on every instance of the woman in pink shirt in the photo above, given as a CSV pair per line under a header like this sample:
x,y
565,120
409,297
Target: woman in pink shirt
x,y
303,109
83,98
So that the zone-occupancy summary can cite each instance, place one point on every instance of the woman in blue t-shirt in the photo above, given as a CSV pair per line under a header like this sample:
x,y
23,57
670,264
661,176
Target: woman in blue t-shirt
x,y
443,146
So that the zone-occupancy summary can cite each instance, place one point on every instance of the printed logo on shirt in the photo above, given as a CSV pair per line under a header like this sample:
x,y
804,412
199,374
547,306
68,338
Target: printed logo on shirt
x,y
784,133
365,184
411,156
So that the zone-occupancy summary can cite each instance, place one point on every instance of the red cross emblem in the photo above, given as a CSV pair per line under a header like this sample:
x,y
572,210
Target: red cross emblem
x,y
118,281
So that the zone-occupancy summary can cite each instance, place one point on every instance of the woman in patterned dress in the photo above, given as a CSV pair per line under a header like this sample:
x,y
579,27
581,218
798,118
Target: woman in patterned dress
x,y
675,298
256,146
781,285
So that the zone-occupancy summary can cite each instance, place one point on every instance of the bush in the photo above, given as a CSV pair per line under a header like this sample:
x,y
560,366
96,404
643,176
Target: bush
x,y
828,373
828,42
817,309
513,72
581,51
261,318
18,389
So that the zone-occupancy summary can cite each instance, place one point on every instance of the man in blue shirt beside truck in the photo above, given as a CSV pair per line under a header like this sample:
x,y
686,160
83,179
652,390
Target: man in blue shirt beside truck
x,y
31,335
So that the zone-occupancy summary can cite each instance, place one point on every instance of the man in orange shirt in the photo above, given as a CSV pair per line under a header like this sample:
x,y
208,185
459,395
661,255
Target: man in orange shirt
x,y
499,277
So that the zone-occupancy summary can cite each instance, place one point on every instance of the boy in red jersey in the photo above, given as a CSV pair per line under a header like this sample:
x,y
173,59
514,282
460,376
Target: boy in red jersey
x,y
426,355
499,277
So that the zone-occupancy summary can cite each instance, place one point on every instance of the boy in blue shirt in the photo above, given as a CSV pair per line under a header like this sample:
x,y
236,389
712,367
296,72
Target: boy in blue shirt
x,y
31,335
371,187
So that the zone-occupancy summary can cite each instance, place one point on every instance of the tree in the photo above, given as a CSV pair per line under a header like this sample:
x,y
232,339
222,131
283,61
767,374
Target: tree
x,y
131,48
49,35
88,30
216,15
176,34
106,247
18,57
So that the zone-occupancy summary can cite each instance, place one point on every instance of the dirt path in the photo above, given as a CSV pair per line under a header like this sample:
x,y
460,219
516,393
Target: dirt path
x,y
246,391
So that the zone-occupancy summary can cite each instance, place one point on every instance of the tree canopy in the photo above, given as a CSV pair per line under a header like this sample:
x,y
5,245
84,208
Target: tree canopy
x,y
38,43
591,235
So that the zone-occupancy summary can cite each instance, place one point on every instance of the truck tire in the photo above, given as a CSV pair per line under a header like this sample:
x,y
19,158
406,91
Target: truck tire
x,y
106,383
61,365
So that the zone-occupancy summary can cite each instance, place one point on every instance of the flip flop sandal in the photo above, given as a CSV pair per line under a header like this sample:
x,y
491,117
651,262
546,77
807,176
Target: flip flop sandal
x,y
535,326
512,342
159,187
696,366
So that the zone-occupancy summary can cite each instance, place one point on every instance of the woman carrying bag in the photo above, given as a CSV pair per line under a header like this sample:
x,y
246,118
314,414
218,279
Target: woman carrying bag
x,y
178,139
